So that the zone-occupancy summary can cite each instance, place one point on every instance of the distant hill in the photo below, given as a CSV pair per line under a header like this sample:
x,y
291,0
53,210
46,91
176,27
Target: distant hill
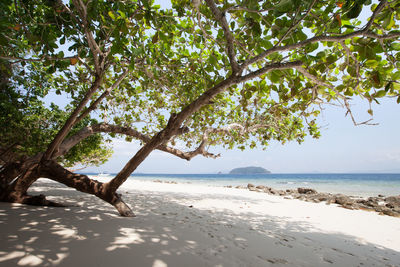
x,y
249,170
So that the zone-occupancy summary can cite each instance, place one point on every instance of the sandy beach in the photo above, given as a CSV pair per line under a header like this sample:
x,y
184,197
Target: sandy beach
x,y
193,225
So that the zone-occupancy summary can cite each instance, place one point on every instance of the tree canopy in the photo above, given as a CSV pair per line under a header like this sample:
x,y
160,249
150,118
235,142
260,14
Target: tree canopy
x,y
204,73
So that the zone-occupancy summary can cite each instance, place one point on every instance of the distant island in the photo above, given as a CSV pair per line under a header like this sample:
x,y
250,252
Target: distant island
x,y
249,170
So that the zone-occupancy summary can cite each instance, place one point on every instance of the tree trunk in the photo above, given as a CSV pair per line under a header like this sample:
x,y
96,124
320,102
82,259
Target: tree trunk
x,y
16,181
21,185
83,183
16,192
8,173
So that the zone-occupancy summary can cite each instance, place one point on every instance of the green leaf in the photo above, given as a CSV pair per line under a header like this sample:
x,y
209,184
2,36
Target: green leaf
x,y
301,36
395,46
351,70
396,76
351,27
121,14
371,63
256,29
284,6
388,86
388,22
213,60
354,11
396,86
111,14
275,77
247,94
380,93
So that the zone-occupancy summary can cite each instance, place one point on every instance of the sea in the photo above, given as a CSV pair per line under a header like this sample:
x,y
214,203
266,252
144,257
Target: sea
x,y
353,184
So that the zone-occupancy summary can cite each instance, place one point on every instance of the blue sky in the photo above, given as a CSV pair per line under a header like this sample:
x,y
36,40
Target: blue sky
x,y
342,147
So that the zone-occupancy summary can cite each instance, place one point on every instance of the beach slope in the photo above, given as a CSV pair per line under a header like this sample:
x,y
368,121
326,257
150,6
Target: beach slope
x,y
193,225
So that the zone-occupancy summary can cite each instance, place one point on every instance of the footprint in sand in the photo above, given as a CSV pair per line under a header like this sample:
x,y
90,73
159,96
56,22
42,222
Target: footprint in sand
x,y
283,244
328,260
274,260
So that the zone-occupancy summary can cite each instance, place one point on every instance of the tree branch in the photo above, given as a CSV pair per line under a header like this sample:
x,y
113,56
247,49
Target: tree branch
x,y
95,103
239,8
44,57
383,36
356,63
95,49
326,38
270,67
176,120
314,79
296,24
54,145
68,143
220,17
227,129
344,98
109,128
377,10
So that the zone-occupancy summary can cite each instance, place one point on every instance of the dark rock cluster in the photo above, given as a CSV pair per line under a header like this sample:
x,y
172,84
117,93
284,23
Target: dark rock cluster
x,y
381,204
165,182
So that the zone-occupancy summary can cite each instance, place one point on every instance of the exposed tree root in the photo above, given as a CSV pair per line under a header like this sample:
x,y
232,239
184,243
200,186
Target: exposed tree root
x,y
40,200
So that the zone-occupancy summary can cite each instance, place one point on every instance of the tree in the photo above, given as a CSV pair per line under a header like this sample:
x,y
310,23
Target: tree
x,y
231,73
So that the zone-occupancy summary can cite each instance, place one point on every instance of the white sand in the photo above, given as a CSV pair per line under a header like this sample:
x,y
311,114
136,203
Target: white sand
x,y
191,225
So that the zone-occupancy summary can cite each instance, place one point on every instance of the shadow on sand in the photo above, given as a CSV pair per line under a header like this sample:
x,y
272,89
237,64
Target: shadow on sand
x,y
167,233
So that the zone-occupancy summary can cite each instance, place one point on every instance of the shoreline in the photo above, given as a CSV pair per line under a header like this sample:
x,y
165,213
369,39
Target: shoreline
x,y
363,185
187,224
383,205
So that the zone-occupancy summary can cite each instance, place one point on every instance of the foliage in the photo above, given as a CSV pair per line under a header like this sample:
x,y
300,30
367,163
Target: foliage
x,y
287,58
186,58
92,151
28,127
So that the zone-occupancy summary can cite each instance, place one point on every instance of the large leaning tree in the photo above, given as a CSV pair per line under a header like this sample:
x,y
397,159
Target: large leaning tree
x,y
202,73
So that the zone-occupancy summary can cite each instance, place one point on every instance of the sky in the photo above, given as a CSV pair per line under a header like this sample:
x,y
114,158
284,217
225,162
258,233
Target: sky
x,y
342,147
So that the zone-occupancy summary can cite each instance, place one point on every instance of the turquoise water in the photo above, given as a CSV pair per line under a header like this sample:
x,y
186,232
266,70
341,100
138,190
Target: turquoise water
x,y
358,184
